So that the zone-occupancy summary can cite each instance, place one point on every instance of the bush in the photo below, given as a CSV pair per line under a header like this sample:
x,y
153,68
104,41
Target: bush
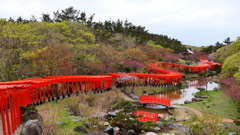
x,y
181,85
217,68
186,70
201,89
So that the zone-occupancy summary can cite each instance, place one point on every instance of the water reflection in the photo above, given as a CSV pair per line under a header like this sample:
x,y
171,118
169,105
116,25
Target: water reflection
x,y
179,96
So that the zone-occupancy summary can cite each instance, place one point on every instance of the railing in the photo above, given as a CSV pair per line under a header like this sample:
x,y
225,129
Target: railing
x,y
147,99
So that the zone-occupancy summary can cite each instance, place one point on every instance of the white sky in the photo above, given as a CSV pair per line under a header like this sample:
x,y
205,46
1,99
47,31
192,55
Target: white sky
x,y
194,22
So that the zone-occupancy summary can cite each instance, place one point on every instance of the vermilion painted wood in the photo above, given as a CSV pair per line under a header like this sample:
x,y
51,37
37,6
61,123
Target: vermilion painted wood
x,y
155,99
33,90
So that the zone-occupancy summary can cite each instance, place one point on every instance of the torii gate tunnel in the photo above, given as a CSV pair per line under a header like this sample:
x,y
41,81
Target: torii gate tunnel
x,y
36,90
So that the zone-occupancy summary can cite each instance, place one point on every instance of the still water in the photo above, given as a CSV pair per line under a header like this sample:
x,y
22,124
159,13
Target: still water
x,y
179,96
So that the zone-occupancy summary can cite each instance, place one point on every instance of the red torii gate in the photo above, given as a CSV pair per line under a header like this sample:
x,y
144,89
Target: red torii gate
x,y
211,64
35,90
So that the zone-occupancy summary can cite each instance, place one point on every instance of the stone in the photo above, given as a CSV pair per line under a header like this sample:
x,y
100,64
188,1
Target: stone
x,y
106,124
155,129
31,115
86,124
150,133
80,129
114,114
97,133
232,133
197,99
159,123
131,132
187,102
77,120
178,133
205,96
109,130
178,127
220,124
116,130
59,122
71,112
197,96
78,117
32,127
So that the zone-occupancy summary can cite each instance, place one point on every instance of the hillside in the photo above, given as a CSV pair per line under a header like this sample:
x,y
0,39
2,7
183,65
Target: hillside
x,y
72,43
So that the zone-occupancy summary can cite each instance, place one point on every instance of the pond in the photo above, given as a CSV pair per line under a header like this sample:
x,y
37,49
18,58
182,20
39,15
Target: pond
x,y
179,96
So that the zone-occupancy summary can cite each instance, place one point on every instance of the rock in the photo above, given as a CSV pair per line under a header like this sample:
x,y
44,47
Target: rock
x,y
232,133
109,130
197,99
114,114
59,122
178,134
131,132
159,123
86,124
205,96
80,129
187,102
106,124
155,129
178,127
116,130
220,124
32,127
71,112
97,133
31,115
78,120
197,96
150,133
78,117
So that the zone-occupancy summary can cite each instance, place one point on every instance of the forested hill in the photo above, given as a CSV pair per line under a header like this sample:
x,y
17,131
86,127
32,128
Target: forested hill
x,y
72,43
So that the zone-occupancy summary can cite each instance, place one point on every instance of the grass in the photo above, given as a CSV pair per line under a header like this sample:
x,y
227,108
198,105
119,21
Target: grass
x,y
52,112
217,103
141,90
86,105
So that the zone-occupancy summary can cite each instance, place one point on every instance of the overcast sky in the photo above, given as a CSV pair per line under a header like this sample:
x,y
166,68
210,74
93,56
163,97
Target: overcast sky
x,y
194,22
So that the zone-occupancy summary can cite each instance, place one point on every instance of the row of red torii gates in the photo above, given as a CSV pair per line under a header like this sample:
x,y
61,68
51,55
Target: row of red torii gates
x,y
36,90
